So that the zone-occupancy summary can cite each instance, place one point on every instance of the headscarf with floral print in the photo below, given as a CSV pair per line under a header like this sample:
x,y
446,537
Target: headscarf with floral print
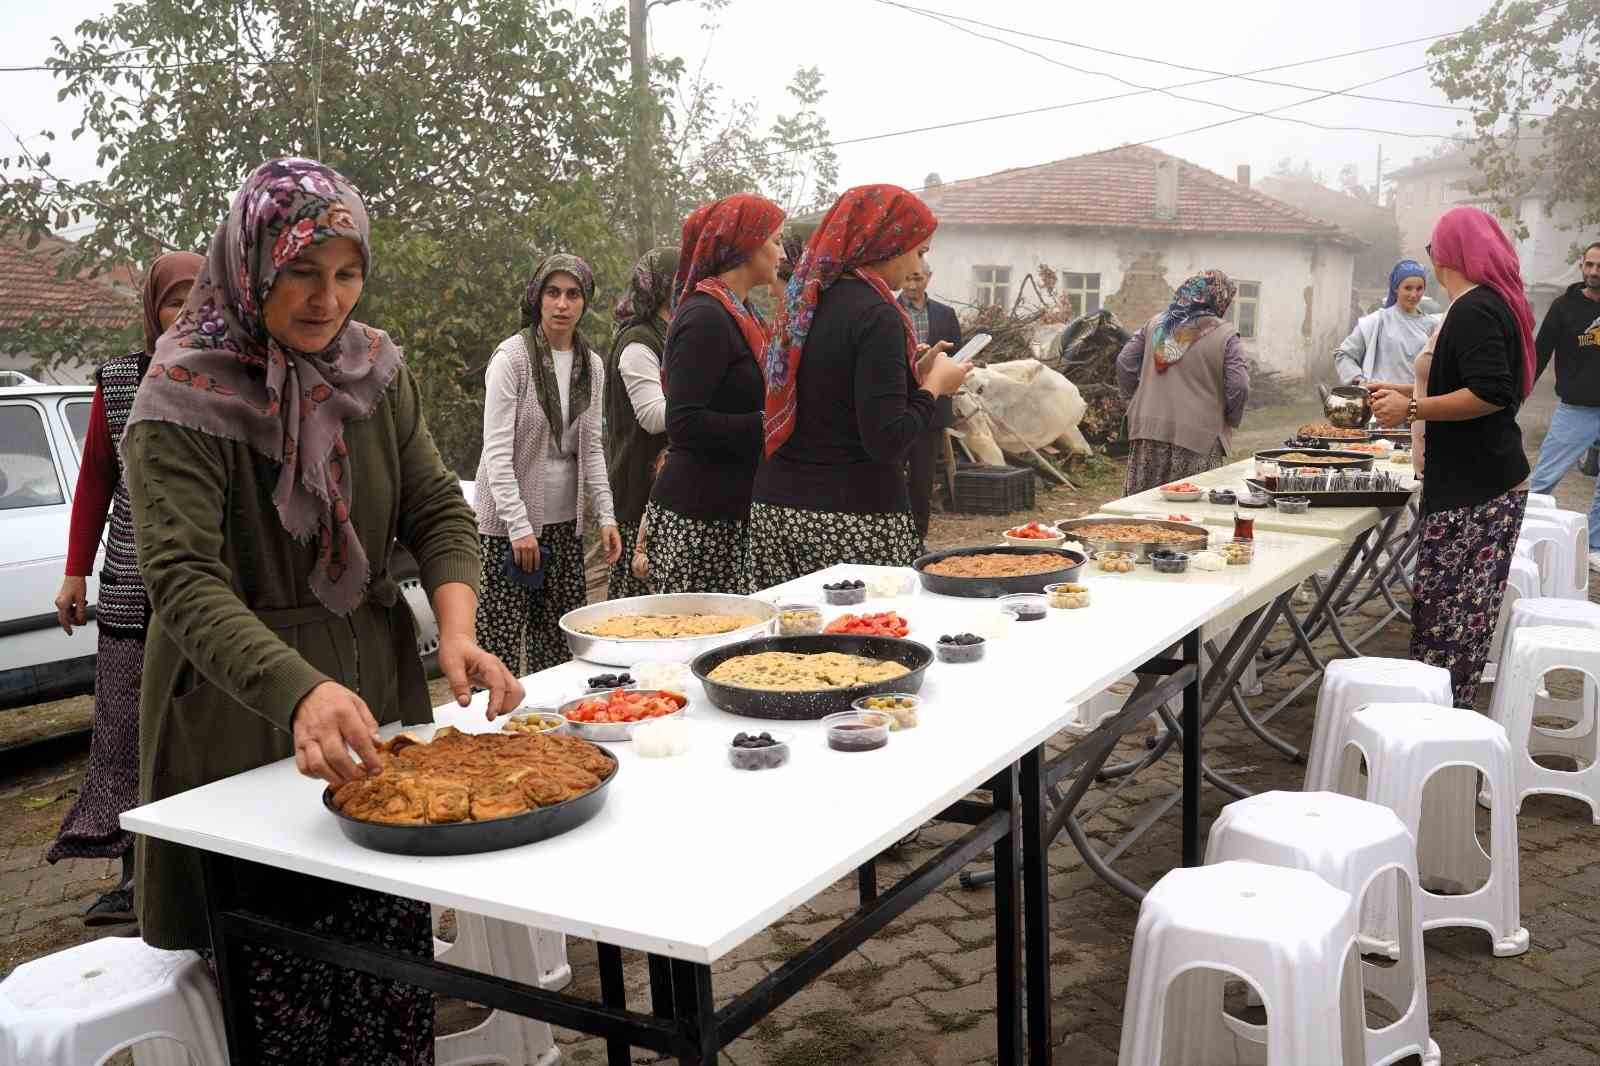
x,y
1203,297
649,289
219,371
867,224
542,358
717,237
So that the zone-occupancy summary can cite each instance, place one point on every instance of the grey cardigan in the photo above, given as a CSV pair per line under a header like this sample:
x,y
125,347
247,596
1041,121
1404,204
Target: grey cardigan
x,y
509,497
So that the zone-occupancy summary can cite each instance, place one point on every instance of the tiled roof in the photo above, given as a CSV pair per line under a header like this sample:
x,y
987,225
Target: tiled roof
x,y
29,287
1116,189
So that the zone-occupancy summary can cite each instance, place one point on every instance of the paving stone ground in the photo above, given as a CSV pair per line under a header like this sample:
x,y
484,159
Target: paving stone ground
x,y
922,994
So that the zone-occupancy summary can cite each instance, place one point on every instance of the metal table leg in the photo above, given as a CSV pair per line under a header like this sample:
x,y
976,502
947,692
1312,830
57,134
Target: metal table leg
x,y
613,994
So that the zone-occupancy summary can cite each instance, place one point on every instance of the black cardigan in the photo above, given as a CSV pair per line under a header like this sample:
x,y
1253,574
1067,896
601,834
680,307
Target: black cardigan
x,y
715,395
1472,462
860,411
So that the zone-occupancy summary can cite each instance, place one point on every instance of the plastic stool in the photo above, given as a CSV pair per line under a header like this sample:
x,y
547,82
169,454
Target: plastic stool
x,y
1405,744
1287,932
1352,845
517,953
1553,611
81,1006
1533,652
1538,500
1349,684
1522,582
1561,548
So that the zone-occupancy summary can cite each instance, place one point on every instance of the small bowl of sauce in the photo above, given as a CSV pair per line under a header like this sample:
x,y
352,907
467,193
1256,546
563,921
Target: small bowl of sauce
x,y
857,730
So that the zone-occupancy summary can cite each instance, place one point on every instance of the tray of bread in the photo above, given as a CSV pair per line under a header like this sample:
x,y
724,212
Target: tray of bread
x,y
462,793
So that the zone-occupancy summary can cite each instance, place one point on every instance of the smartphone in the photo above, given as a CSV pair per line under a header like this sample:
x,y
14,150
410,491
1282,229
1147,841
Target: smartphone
x,y
977,344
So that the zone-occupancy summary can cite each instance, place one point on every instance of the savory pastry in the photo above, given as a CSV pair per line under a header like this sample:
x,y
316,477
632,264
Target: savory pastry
x,y
460,777
669,626
998,564
781,671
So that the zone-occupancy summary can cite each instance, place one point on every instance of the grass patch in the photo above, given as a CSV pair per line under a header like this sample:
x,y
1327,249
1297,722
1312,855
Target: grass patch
x,y
945,971
835,1038
857,979
785,944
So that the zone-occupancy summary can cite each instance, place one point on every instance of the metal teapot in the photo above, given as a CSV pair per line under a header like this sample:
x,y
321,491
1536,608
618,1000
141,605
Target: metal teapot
x,y
1348,406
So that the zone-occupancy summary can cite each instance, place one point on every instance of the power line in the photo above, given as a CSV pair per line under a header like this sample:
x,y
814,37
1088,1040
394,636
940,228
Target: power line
x,y
1167,91
948,17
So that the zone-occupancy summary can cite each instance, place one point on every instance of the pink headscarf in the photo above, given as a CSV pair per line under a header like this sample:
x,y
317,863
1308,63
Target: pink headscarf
x,y
1467,239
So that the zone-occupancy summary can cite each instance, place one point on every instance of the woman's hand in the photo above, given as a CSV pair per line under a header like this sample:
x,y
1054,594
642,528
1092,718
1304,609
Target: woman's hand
x,y
944,376
329,721
926,354
525,550
464,665
611,543
72,603
1389,408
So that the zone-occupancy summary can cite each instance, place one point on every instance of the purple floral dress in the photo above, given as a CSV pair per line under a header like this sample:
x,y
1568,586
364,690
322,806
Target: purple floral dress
x,y
1460,581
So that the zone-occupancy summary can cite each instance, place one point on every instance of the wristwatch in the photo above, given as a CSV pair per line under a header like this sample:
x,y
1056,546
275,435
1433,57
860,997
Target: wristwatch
x,y
1411,410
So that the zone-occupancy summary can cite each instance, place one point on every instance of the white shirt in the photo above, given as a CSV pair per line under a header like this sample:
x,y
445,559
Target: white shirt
x,y
561,469
641,376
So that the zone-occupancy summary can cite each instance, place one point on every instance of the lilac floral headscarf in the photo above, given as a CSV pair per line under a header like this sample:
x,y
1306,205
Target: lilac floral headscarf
x,y
218,371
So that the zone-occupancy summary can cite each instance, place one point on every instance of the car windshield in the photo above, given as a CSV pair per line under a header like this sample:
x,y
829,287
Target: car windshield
x,y
27,469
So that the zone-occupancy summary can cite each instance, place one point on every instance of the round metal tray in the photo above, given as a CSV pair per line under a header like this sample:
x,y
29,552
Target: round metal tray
x,y
610,732
611,651
812,705
991,587
1083,529
470,838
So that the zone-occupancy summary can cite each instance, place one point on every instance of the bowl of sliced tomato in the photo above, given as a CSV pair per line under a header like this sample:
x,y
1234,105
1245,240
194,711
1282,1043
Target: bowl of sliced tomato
x,y
882,624
607,716
1034,535
1181,492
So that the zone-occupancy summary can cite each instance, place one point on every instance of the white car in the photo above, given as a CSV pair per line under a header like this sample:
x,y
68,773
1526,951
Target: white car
x,y
42,428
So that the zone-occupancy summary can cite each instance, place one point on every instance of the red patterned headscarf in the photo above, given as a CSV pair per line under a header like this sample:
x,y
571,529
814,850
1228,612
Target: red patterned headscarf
x,y
868,224
1469,240
716,238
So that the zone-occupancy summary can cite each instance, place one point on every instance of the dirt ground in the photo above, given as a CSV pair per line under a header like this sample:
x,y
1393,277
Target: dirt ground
x,y
923,992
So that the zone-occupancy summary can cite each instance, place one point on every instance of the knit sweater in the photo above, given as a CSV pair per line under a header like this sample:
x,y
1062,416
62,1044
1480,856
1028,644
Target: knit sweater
x,y
509,499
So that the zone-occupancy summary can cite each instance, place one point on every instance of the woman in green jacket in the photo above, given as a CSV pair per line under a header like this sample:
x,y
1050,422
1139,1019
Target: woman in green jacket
x,y
275,453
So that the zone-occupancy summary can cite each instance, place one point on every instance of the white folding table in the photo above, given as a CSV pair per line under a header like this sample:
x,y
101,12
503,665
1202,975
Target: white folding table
x,y
689,858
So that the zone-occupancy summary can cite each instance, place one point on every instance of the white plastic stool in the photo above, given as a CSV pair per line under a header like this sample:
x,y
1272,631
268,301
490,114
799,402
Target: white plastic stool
x,y
1350,684
1287,932
1561,548
1553,611
1533,652
1404,745
517,953
81,1006
1537,500
1522,582
1354,846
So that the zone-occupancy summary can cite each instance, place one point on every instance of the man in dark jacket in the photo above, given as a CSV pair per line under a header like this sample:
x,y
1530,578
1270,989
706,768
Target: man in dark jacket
x,y
934,322
1571,334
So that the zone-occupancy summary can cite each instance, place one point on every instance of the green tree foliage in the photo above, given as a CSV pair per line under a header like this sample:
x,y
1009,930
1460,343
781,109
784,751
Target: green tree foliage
x,y
482,133
1523,57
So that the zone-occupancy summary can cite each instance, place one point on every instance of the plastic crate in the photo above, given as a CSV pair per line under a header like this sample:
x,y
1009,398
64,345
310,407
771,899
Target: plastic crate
x,y
992,489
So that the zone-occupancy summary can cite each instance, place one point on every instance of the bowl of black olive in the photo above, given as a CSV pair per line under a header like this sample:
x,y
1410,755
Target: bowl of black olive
x,y
758,751
845,593
960,648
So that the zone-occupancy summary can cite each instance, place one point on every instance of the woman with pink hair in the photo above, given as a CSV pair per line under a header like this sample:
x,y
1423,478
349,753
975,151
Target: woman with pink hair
x,y
1477,477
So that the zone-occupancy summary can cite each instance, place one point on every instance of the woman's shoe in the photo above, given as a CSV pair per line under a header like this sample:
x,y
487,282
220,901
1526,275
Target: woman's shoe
x,y
113,908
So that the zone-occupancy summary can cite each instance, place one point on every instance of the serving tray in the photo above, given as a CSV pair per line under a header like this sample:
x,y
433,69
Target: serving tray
x,y
811,705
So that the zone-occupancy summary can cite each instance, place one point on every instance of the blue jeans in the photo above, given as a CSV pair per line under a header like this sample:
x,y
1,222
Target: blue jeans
x,y
1572,431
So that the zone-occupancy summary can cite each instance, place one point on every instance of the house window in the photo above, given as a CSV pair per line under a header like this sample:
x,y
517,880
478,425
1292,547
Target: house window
x,y
1246,310
991,286
1082,291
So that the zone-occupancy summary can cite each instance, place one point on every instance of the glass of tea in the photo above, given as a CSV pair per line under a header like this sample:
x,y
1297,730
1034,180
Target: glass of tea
x,y
1244,527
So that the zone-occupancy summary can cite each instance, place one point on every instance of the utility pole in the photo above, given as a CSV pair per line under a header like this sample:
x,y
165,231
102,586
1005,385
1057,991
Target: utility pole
x,y
639,54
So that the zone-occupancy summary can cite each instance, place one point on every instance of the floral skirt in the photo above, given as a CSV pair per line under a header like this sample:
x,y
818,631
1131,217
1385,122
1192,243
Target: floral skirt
x,y
308,1013
786,543
620,582
111,784
1460,581
1152,463
696,555
521,625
